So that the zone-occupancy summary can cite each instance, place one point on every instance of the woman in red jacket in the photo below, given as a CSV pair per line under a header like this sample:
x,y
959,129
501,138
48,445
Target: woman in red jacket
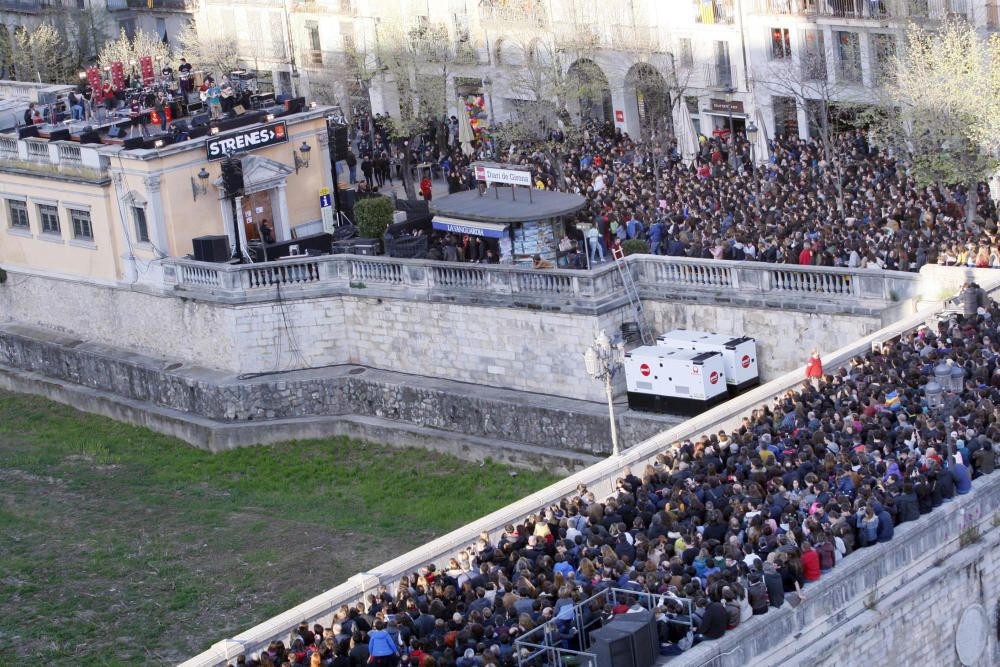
x,y
814,367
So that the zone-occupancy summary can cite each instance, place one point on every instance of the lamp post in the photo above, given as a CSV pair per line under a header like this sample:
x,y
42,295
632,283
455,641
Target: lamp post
x,y
603,360
752,131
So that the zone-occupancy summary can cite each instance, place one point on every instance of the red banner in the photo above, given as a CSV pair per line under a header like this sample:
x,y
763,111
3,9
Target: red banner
x,y
118,75
94,79
148,75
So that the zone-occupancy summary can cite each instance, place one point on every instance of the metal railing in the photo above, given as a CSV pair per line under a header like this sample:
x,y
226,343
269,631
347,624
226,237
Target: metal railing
x,y
544,640
655,277
793,7
719,76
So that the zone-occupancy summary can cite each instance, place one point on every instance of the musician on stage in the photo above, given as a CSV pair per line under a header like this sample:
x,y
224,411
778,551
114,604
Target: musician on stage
x,y
160,106
184,69
213,95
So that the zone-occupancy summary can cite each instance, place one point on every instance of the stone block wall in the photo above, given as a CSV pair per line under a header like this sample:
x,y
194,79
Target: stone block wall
x,y
441,405
535,349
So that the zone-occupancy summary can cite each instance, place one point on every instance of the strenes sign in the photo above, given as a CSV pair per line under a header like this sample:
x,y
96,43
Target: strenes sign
x,y
247,139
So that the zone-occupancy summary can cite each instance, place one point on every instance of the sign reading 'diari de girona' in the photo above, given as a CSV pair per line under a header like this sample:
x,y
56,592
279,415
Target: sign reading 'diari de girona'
x,y
248,139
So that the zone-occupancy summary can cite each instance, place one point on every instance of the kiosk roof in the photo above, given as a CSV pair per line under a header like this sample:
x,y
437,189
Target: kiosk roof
x,y
469,205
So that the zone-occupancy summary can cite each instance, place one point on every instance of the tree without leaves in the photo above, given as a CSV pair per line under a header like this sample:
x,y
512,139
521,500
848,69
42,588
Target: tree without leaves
x,y
127,51
416,62
939,107
216,52
827,105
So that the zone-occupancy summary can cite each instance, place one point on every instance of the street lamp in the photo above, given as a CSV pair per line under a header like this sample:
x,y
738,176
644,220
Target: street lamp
x,y
303,161
603,360
752,131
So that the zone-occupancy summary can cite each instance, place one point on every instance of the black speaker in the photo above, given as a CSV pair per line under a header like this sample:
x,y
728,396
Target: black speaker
x,y
211,248
645,638
114,132
295,105
232,176
339,141
613,647
197,132
59,135
27,131
134,142
239,110
201,120
90,137
347,199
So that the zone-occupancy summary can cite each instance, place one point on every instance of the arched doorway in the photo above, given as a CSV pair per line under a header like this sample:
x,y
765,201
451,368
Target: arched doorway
x,y
648,99
589,92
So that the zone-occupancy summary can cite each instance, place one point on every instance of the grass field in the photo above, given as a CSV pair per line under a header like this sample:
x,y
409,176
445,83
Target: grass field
x,y
121,546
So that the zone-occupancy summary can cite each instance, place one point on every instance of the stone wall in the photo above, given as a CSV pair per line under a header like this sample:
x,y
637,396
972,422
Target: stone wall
x,y
442,405
531,349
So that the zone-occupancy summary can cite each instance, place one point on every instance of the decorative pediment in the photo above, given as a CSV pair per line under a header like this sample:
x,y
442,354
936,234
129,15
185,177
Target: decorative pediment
x,y
260,173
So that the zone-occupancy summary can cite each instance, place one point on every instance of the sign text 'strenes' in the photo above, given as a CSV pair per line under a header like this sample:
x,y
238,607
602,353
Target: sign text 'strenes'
x,y
249,139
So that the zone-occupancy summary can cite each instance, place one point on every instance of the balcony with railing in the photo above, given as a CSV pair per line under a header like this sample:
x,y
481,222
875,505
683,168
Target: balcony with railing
x,y
188,6
55,159
656,277
25,6
877,10
719,76
786,7
714,11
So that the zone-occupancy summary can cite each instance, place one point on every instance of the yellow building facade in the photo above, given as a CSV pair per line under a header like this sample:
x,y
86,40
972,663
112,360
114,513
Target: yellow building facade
x,y
103,212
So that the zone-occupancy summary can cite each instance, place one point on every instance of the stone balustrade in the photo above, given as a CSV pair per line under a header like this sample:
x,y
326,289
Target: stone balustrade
x,y
654,276
600,478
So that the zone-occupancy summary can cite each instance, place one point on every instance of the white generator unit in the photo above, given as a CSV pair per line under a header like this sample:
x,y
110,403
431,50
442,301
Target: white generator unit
x,y
739,354
664,379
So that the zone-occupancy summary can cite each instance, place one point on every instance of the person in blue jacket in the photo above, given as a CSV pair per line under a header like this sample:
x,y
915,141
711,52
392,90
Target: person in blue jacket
x,y
381,647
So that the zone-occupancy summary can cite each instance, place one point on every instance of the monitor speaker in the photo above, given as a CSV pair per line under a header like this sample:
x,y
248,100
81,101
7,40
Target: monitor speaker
x,y
200,120
59,135
211,248
239,110
295,105
134,142
90,137
198,132
27,131
114,132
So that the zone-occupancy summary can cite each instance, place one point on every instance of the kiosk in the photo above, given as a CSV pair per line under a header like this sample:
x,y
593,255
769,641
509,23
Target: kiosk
x,y
507,211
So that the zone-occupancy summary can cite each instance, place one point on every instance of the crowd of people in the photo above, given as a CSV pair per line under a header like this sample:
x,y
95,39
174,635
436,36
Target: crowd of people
x,y
719,528
861,208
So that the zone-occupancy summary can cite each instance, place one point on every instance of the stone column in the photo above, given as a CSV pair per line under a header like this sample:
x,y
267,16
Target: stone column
x,y
155,220
281,224
324,155
128,267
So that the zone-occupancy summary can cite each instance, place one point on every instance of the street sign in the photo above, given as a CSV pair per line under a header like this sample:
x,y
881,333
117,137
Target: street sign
x,y
506,176
326,210
644,369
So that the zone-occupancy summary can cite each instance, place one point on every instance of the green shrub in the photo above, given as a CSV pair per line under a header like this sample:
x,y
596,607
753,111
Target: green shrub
x,y
635,247
373,216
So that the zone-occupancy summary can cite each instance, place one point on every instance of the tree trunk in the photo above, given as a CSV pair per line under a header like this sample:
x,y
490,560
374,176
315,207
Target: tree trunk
x,y
971,200
411,191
